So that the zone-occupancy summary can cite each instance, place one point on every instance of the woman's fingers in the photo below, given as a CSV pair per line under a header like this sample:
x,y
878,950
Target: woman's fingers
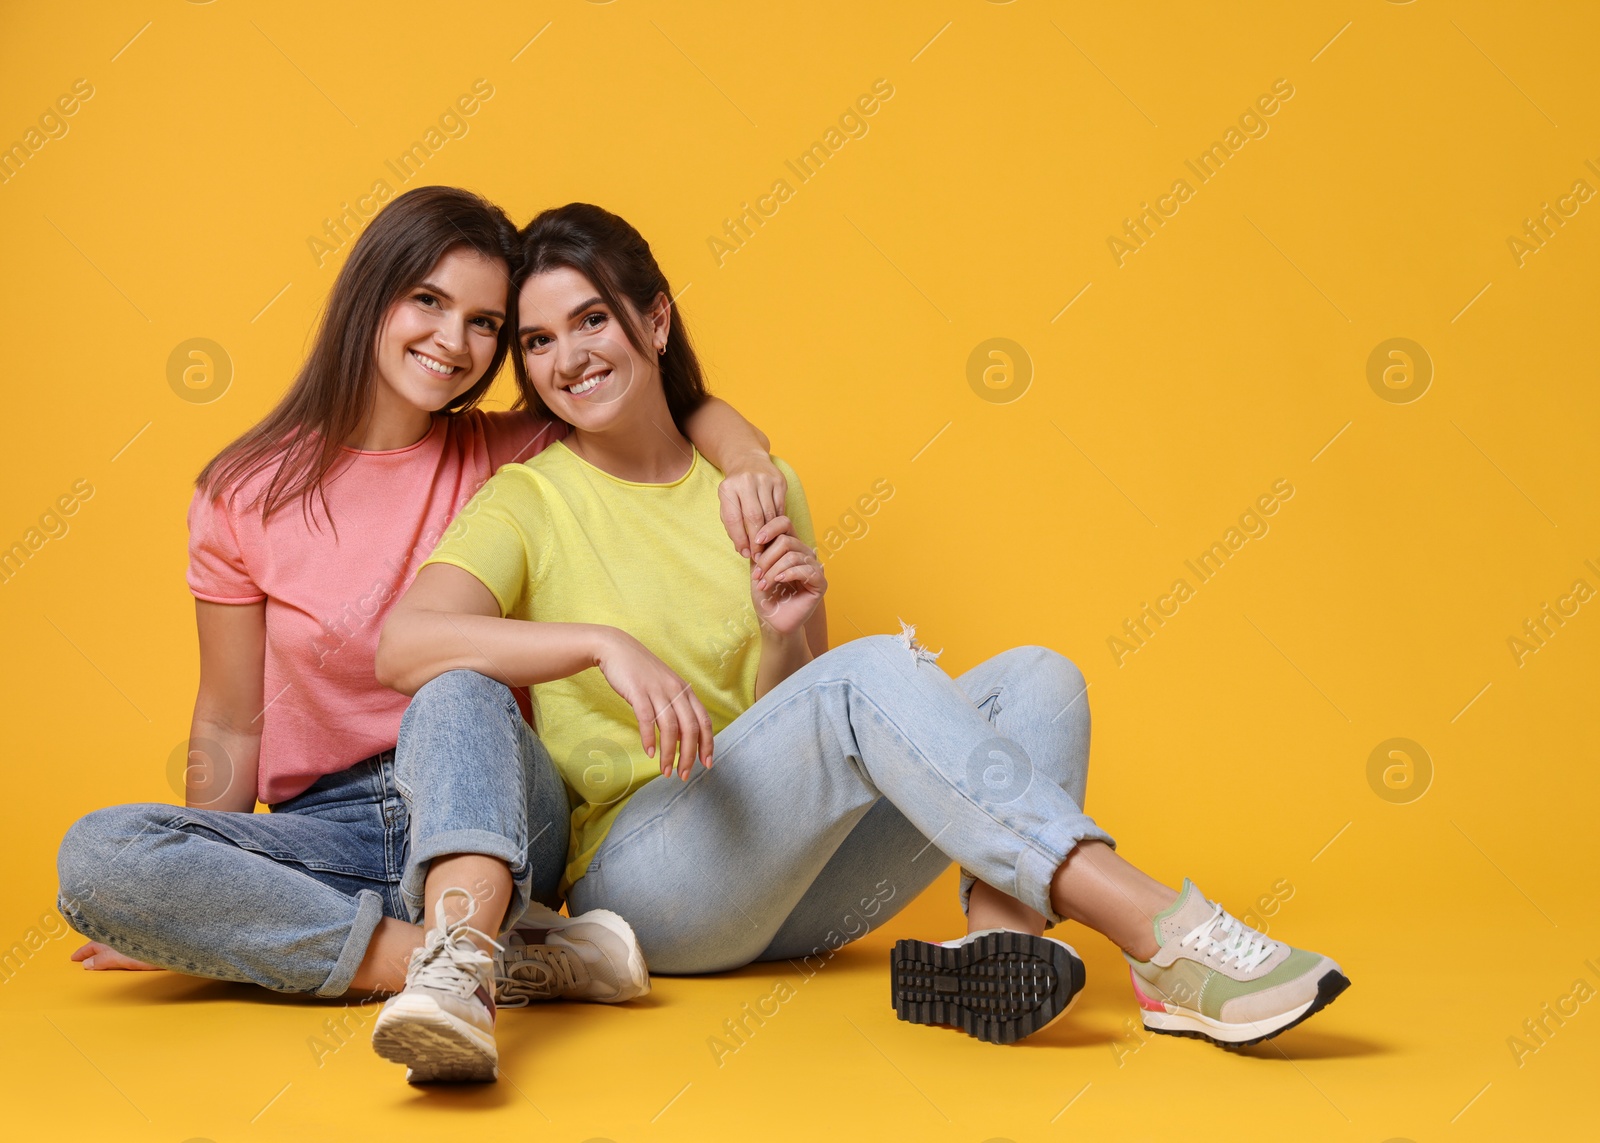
x,y
754,516
689,728
771,552
774,494
801,570
784,563
646,717
771,530
707,736
734,517
745,503
668,722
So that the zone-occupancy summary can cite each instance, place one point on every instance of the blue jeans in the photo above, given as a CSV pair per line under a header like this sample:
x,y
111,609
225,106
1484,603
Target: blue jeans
x,y
834,800
289,900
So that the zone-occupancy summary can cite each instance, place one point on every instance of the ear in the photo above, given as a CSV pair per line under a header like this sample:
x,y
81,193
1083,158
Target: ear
x,y
659,320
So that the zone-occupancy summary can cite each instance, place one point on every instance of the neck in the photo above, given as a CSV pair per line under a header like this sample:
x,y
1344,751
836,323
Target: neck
x,y
646,447
390,423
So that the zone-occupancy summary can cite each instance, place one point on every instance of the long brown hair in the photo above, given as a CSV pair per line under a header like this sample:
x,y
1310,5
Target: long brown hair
x,y
303,436
615,257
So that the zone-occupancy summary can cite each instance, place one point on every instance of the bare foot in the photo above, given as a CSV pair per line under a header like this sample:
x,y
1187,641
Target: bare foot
x,y
98,957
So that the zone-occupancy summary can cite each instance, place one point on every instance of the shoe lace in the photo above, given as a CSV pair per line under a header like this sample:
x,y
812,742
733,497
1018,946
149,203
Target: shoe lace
x,y
536,972
446,961
1225,934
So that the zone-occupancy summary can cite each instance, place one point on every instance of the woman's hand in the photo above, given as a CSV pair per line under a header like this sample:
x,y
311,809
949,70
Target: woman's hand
x,y
673,725
786,578
99,957
751,493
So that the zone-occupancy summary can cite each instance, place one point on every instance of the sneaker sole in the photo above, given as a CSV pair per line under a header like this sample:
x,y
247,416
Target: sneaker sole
x,y
1232,1036
998,988
435,1046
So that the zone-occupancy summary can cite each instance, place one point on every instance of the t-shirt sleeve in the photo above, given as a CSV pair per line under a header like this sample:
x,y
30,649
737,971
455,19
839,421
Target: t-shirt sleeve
x,y
500,537
795,505
514,437
217,571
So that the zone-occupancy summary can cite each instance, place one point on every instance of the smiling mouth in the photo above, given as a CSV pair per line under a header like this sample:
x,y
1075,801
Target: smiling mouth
x,y
434,365
589,384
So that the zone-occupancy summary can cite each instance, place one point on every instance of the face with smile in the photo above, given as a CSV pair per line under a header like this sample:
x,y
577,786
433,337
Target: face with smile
x,y
437,340
578,354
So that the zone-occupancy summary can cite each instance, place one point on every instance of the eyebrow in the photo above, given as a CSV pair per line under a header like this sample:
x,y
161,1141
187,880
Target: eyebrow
x,y
572,313
446,295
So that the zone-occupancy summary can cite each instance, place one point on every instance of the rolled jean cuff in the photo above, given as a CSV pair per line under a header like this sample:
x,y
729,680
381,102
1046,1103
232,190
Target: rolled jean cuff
x,y
1037,863
474,841
369,912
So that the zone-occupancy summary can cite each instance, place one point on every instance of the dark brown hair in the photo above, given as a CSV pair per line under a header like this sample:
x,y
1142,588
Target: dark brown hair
x,y
617,260
303,436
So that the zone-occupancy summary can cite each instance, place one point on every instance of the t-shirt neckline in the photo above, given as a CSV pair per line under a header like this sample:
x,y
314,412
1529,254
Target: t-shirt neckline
x,y
438,423
694,463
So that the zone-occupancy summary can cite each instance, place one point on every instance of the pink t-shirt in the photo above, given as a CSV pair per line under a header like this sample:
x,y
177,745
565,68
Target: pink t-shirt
x,y
327,599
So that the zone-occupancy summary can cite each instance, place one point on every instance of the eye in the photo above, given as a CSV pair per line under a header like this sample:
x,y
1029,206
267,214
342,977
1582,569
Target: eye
x,y
487,323
593,320
426,299
534,341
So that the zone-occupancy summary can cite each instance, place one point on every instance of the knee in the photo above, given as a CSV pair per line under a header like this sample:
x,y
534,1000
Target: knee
x,y
1057,677
462,686
93,841
871,655
91,857
459,693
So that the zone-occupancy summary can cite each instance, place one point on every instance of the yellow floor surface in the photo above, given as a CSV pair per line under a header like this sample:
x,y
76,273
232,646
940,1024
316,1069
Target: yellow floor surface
x,y
1416,1049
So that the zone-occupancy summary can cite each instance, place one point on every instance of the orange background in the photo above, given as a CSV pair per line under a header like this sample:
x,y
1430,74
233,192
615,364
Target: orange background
x,y
1167,389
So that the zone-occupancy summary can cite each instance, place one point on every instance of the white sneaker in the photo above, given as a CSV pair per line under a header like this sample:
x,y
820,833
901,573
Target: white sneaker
x,y
593,956
442,1025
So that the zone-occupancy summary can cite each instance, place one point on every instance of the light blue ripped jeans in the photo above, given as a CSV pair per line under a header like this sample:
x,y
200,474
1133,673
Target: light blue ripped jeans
x,y
841,794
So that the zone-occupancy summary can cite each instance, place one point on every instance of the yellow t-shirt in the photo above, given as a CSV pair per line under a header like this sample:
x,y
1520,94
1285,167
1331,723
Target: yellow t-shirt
x,y
557,540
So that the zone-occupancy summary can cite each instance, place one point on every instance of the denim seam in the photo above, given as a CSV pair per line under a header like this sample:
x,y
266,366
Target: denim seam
x,y
369,912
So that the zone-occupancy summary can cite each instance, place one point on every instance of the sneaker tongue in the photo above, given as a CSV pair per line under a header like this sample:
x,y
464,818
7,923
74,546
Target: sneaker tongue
x,y
1178,919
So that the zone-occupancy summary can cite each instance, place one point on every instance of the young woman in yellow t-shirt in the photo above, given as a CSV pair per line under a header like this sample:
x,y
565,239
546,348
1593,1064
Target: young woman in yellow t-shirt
x,y
831,784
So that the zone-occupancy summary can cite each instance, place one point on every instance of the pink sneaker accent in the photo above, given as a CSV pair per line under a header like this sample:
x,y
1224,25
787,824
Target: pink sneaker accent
x,y
1145,1002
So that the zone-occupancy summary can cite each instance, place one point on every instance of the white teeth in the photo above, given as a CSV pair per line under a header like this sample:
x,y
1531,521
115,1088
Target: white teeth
x,y
583,387
433,366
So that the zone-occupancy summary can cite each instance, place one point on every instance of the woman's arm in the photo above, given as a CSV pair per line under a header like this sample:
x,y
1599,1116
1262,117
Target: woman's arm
x,y
752,490
225,734
448,620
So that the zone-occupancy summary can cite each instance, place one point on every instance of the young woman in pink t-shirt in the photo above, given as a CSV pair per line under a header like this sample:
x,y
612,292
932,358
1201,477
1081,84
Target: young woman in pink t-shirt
x,y
303,532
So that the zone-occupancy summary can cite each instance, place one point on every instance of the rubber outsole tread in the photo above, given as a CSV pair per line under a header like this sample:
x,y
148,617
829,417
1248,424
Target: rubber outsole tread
x,y
433,1053
1328,990
998,988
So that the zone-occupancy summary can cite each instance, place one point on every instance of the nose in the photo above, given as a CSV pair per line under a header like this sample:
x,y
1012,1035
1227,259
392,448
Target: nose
x,y
451,334
574,359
